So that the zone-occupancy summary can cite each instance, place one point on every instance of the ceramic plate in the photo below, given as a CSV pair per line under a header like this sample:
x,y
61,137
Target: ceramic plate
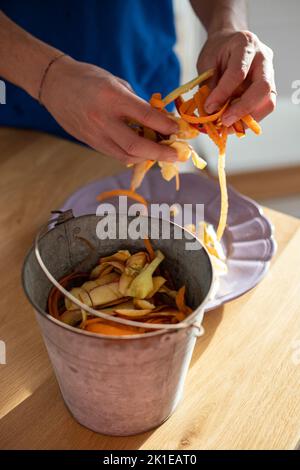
x,y
248,240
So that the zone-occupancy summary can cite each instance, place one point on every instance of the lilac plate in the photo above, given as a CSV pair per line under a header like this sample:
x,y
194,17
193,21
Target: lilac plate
x,y
248,239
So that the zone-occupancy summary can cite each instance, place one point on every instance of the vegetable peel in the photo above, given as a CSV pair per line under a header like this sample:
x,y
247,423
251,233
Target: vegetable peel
x,y
140,295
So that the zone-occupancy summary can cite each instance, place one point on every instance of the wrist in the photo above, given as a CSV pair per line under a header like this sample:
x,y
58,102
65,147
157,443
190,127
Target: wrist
x,y
228,17
43,59
57,72
226,27
51,64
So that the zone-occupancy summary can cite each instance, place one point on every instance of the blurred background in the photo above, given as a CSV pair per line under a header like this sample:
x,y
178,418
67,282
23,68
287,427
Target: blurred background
x,y
267,167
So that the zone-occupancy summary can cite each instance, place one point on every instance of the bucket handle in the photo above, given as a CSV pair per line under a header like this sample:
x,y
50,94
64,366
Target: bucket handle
x,y
61,219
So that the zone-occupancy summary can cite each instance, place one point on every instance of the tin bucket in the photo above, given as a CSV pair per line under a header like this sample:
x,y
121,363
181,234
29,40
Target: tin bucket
x,y
117,385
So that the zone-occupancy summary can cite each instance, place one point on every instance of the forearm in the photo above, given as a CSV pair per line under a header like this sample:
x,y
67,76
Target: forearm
x,y
23,57
216,15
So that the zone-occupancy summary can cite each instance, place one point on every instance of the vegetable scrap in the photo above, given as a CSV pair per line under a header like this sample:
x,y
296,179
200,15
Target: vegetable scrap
x,y
207,235
125,285
192,120
192,117
122,192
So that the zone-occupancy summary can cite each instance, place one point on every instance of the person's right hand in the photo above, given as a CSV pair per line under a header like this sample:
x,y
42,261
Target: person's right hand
x,y
92,105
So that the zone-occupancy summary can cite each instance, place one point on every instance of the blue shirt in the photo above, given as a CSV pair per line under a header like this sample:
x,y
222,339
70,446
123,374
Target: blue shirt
x,y
132,39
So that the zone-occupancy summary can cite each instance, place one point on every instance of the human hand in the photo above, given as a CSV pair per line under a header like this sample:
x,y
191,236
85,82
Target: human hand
x,y
92,105
244,69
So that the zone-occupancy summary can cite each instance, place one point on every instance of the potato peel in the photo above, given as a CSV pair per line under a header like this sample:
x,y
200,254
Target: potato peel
x,y
134,296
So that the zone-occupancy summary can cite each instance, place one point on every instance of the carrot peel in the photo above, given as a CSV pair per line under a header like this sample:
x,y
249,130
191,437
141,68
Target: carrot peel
x,y
122,192
149,248
252,124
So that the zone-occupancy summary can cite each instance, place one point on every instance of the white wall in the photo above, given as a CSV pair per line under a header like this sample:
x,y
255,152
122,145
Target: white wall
x,y
277,23
190,36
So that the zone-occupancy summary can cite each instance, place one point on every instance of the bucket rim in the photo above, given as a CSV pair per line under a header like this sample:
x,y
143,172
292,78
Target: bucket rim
x,y
186,324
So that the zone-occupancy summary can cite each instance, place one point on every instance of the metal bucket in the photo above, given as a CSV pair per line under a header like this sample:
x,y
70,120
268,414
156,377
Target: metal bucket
x,y
117,385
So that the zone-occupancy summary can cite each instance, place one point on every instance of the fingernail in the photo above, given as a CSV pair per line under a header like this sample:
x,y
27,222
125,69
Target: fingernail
x,y
229,120
211,107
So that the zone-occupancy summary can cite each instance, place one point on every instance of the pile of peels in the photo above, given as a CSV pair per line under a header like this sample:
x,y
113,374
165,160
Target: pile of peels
x,y
124,285
192,120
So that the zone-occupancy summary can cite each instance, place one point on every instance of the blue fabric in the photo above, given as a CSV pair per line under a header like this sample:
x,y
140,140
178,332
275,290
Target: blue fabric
x,y
133,39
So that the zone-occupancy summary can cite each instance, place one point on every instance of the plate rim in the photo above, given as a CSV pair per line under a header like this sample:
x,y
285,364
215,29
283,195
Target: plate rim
x,y
217,301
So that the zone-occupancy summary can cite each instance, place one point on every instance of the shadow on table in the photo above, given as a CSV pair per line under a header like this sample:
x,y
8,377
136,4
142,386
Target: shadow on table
x,y
210,324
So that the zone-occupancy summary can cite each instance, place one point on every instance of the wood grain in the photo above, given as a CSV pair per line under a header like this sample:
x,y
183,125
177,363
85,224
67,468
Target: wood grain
x,y
242,387
37,172
264,184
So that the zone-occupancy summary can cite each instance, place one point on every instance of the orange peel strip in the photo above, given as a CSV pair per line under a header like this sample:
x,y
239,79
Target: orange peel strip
x,y
238,128
205,91
180,301
156,101
149,248
204,119
212,133
188,106
122,192
252,124
200,98
106,329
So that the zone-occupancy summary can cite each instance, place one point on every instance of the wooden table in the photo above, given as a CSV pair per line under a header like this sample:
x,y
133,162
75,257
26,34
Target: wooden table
x,y
242,390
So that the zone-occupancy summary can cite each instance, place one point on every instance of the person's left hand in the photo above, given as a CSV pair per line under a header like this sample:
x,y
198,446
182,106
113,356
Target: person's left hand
x,y
244,68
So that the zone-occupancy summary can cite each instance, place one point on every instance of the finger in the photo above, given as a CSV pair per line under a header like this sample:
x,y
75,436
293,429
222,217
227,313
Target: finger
x,y
267,108
125,84
236,71
213,81
139,147
249,101
203,66
258,94
108,147
135,108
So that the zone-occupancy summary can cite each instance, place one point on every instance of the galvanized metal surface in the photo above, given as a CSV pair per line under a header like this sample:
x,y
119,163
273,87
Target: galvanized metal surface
x,y
116,386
